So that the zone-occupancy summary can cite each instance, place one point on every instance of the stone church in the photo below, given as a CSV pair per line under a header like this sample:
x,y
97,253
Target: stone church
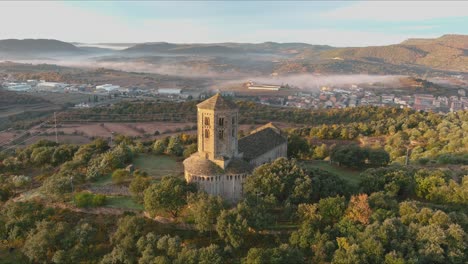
x,y
223,161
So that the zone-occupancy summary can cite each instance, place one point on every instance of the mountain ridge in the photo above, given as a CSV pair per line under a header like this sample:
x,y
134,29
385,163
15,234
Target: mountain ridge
x,y
448,52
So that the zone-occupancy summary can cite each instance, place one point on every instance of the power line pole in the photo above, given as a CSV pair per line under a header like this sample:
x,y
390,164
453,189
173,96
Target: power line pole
x,y
56,135
111,137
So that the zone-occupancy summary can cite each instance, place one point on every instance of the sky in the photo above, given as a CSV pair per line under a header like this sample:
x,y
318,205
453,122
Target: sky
x,y
335,23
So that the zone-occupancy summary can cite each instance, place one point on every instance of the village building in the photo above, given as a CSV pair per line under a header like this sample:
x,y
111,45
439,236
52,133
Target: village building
x,y
223,161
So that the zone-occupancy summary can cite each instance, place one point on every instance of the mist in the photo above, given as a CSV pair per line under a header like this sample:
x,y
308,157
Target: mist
x,y
166,66
314,82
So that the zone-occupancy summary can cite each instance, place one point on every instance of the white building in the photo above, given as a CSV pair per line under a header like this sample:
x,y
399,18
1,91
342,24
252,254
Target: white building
x,y
51,85
169,91
253,86
108,87
18,87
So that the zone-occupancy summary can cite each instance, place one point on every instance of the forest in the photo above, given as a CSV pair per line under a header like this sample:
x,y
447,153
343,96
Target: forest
x,y
409,205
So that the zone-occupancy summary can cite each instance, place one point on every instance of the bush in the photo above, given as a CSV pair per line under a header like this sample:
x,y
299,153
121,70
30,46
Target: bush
x,y
119,176
423,161
86,199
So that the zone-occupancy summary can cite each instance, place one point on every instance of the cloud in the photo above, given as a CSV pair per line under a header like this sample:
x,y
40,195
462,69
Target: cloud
x,y
397,11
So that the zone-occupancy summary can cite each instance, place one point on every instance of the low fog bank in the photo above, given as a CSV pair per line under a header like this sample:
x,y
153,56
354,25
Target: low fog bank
x,y
230,76
172,69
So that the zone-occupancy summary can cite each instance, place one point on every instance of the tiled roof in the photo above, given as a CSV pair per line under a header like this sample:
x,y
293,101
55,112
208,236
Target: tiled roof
x,y
239,166
261,141
198,165
217,102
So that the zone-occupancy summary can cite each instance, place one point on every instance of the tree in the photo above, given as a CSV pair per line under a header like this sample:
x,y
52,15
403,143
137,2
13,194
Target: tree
x,y
326,184
205,209
378,157
120,176
124,240
331,209
210,255
47,237
175,147
170,195
159,146
281,181
349,155
297,146
359,209
320,152
232,227
138,186
63,153
282,254
192,148
41,156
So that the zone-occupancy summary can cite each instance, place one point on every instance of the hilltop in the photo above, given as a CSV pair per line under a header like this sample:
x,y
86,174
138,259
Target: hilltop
x,y
224,48
439,56
36,47
449,52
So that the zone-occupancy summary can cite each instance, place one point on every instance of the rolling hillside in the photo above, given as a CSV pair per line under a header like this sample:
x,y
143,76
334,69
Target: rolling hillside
x,y
449,52
37,46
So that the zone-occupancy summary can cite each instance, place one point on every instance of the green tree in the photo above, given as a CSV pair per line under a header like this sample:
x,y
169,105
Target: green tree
x,y
175,147
297,146
159,146
280,181
138,186
169,195
190,149
349,155
205,210
232,227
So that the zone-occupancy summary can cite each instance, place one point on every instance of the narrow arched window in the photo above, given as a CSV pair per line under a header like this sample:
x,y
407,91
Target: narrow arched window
x,y
207,133
221,121
207,121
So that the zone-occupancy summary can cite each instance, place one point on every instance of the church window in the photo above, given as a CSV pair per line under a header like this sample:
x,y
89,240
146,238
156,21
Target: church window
x,y
221,134
207,133
233,120
221,121
207,121
233,132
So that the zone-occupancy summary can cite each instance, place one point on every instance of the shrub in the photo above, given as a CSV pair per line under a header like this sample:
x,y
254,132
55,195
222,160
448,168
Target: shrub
x,y
119,176
86,199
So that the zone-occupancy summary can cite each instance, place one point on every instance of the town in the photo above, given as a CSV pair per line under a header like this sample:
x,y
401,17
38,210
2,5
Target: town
x,y
325,97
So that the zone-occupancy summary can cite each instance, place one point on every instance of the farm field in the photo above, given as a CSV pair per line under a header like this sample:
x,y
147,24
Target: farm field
x,y
349,175
105,129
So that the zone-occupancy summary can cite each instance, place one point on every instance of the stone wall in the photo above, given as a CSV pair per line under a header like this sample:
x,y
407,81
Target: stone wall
x,y
227,186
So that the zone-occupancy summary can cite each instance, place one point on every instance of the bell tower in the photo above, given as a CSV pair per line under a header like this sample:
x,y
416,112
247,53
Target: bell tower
x,y
217,130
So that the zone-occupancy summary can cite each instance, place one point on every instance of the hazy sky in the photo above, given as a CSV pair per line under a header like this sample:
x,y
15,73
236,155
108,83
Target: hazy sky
x,y
333,23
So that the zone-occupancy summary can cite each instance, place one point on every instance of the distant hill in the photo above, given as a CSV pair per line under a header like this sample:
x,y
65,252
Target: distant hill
x,y
445,55
449,52
223,48
37,47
